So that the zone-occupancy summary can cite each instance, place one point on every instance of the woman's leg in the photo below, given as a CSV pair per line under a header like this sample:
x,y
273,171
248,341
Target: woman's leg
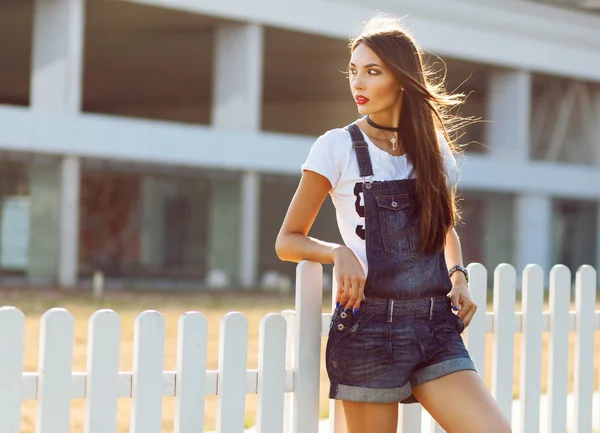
x,y
371,417
461,403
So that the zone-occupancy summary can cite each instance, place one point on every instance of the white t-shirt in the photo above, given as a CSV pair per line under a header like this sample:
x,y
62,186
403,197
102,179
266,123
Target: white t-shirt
x,y
333,157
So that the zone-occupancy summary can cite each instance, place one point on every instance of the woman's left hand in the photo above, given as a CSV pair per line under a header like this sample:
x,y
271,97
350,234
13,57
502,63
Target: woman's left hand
x,y
461,297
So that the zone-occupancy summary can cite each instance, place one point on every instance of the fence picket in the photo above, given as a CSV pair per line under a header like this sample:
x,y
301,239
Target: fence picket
x,y
558,348
288,404
531,349
233,347
337,420
435,427
12,335
55,363
309,301
474,335
409,418
585,303
190,385
271,374
505,281
102,380
147,378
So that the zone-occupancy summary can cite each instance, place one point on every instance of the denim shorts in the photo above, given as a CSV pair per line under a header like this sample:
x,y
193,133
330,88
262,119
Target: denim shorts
x,y
391,346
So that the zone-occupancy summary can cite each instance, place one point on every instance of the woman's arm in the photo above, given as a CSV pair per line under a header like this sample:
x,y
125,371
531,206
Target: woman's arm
x,y
453,254
294,245
459,295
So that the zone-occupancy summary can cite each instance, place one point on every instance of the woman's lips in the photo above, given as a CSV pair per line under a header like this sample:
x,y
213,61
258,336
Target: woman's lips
x,y
361,100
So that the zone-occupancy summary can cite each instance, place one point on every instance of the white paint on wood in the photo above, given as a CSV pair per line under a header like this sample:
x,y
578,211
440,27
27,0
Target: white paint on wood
x,y
147,379
12,334
531,349
102,378
475,333
271,374
558,348
585,302
192,340
288,405
505,280
55,362
336,408
233,345
307,359
409,418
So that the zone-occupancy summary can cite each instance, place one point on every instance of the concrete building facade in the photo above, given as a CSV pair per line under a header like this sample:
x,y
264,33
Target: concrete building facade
x,y
161,139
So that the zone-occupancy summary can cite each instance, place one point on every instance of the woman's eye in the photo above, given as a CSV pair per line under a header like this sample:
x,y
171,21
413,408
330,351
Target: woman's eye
x,y
352,72
373,72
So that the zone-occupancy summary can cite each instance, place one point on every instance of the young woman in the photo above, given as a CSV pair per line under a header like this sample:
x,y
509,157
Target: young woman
x,y
394,337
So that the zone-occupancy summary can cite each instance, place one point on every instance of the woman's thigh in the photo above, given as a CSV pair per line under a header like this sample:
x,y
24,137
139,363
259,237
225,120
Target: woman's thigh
x,y
461,403
371,417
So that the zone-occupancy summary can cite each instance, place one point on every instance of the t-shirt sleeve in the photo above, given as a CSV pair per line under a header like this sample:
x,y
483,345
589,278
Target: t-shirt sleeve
x,y
450,165
324,159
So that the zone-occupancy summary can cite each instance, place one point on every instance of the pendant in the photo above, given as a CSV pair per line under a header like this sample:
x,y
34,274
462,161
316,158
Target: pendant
x,y
393,140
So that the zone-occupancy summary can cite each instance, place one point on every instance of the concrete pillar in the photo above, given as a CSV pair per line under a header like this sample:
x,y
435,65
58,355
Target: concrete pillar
x,y
44,232
508,109
249,228
225,224
596,141
533,220
237,106
237,76
70,181
58,30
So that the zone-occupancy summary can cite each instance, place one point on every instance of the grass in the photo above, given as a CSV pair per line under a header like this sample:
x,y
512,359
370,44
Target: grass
x,y
129,304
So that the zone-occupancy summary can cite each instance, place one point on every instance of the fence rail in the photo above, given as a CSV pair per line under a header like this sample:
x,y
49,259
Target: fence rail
x,y
287,378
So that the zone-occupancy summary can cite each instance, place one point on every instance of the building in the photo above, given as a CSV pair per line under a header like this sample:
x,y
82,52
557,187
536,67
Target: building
x,y
162,139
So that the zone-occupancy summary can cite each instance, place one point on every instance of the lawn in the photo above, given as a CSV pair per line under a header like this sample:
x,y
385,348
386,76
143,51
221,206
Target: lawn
x,y
128,305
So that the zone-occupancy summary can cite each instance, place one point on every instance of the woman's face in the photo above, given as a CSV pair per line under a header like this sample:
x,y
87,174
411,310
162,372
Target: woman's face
x,y
373,85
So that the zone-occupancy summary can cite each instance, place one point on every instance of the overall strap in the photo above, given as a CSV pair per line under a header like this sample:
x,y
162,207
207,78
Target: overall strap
x,y
362,152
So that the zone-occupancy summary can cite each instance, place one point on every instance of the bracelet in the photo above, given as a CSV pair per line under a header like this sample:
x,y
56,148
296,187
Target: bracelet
x,y
460,268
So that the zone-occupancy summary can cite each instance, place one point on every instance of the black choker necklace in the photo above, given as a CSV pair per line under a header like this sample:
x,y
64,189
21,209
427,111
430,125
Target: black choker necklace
x,y
385,128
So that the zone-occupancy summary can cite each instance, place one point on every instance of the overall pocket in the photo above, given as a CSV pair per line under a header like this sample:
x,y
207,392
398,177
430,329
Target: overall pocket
x,y
399,224
357,351
344,326
447,329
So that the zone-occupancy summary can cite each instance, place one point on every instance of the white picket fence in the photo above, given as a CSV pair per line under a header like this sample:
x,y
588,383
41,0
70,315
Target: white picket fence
x,y
287,379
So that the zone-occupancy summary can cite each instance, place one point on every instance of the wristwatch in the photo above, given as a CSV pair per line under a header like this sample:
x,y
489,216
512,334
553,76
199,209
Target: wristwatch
x,y
460,268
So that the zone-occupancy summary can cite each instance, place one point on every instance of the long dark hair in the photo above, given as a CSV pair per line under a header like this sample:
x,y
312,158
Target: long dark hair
x,y
425,110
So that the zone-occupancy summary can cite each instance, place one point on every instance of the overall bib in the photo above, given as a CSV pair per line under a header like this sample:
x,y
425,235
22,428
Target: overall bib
x,y
405,333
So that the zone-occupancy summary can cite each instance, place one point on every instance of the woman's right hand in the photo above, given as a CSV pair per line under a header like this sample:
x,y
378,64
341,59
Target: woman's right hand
x,y
350,278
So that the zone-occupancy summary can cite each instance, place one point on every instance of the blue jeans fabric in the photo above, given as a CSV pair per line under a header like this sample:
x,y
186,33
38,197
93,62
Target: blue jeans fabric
x,y
390,346
405,332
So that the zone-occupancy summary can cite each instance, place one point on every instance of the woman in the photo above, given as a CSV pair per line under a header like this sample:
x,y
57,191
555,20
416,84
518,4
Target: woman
x,y
393,337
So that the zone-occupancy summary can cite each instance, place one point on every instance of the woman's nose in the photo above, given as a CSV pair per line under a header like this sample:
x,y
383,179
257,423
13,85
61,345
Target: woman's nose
x,y
357,84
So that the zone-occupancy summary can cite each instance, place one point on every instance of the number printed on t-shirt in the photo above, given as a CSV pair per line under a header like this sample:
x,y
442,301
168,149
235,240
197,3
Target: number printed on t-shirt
x,y
360,208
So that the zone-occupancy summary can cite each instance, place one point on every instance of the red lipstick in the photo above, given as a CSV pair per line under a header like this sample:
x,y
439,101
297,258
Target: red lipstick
x,y
361,100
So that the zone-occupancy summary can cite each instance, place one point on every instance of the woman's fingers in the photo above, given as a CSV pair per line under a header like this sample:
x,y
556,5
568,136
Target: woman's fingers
x,y
468,316
360,297
356,292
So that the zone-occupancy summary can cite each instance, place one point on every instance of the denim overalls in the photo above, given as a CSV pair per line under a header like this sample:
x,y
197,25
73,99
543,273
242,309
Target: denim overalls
x,y
405,333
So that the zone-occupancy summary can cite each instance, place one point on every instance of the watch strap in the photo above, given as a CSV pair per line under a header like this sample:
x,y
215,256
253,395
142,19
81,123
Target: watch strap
x,y
460,268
